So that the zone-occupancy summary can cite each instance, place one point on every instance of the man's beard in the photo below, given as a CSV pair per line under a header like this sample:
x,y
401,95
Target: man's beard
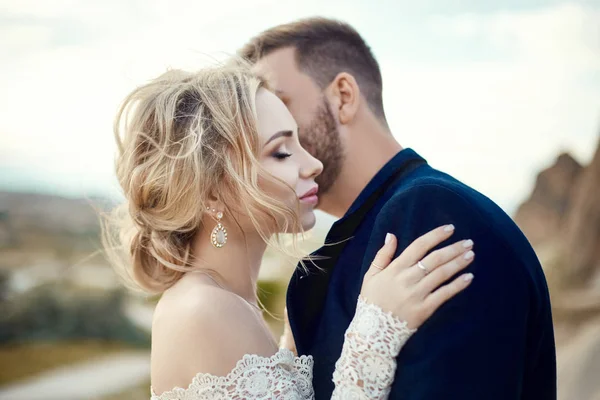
x,y
321,139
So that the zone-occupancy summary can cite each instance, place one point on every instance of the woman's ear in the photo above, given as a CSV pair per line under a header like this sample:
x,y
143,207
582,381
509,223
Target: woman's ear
x,y
344,97
213,205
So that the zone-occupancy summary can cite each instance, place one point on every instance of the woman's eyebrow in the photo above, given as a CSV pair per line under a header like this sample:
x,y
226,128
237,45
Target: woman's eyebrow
x,y
278,135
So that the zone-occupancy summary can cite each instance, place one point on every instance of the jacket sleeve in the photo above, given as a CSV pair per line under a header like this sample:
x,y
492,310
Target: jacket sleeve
x,y
474,346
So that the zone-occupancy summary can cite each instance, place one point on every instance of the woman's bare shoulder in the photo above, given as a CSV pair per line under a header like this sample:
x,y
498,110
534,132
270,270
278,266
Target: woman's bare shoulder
x,y
201,328
194,300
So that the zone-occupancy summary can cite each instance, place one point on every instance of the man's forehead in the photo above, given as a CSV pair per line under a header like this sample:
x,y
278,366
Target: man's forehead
x,y
284,57
275,81
280,70
278,64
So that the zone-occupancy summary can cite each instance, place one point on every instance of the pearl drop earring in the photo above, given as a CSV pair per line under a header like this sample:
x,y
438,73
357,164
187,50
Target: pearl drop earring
x,y
218,237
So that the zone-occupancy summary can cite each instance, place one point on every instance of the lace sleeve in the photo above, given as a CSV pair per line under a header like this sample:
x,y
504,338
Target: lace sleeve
x,y
366,368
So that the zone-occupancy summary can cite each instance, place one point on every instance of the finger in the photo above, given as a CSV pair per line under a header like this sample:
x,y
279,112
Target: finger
x,y
438,258
422,245
384,255
445,293
444,273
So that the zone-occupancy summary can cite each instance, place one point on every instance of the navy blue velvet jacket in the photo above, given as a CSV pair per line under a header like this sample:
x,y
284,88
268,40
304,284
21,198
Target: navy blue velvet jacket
x,y
494,341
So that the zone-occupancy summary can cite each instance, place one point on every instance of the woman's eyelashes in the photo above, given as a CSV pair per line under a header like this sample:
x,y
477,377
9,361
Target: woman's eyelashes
x,y
281,155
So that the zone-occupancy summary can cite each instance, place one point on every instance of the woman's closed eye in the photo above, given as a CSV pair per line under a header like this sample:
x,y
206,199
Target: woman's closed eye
x,y
281,154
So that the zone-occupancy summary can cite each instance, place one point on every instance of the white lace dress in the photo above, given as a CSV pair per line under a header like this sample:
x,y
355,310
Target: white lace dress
x,y
365,369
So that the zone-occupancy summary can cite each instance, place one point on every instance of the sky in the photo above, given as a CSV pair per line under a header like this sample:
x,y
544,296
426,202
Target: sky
x,y
490,92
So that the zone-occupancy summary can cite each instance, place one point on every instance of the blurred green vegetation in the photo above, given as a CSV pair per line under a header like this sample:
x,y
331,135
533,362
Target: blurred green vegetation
x,y
59,312
59,324
271,295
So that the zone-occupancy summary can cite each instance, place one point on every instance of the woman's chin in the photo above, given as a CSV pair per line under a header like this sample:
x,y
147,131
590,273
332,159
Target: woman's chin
x,y
308,220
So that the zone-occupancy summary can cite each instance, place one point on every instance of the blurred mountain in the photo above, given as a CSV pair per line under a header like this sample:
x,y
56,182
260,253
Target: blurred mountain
x,y
48,239
49,214
562,220
43,224
582,228
541,216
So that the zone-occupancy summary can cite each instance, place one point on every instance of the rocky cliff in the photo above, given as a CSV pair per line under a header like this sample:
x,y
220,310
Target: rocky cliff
x,y
542,215
562,220
563,213
581,228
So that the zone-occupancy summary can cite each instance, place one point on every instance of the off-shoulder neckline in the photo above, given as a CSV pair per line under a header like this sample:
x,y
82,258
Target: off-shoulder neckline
x,y
281,356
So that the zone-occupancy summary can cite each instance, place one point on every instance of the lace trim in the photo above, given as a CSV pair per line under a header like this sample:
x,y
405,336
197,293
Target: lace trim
x,y
252,377
365,369
367,365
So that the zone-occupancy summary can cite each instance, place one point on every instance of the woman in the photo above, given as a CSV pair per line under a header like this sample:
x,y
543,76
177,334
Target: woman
x,y
213,172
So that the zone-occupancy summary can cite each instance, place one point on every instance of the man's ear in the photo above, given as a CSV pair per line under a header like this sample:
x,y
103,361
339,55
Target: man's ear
x,y
344,97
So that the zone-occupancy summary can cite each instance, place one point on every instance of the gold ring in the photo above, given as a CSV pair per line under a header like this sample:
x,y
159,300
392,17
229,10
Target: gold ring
x,y
377,266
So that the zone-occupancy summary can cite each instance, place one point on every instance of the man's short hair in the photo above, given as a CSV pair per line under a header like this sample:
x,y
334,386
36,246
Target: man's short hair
x,y
324,48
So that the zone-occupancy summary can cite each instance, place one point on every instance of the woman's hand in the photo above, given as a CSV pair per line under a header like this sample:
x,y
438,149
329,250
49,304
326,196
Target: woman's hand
x,y
407,285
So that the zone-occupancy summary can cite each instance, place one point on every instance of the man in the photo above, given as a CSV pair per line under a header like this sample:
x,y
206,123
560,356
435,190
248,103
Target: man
x,y
495,340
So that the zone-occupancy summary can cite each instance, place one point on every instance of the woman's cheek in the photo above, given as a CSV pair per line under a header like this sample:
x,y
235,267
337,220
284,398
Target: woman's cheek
x,y
286,171
274,188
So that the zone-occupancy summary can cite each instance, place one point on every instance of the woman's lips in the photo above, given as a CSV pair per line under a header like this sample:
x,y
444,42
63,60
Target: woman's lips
x,y
312,200
310,197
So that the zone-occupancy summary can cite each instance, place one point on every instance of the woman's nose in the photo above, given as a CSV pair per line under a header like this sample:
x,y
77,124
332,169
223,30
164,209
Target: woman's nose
x,y
313,167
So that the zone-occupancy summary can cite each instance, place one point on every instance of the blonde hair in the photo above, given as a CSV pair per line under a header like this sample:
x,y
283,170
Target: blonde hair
x,y
182,138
